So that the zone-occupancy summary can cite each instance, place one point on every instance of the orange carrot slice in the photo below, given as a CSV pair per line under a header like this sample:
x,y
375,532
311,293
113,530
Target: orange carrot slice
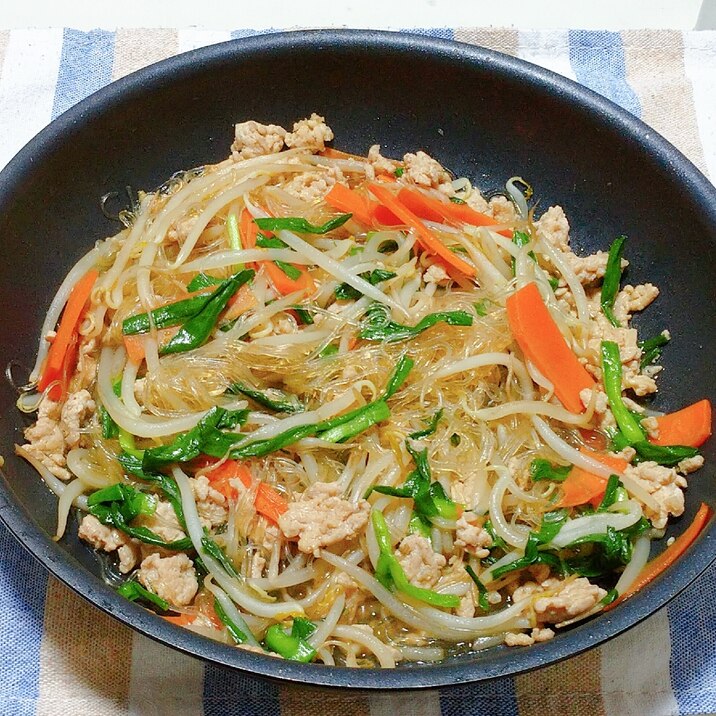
x,y
432,209
657,565
542,343
61,357
426,239
581,486
688,426
134,345
363,208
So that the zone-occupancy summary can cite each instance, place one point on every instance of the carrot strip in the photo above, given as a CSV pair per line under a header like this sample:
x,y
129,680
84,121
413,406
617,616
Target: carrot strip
x,y
657,565
134,345
240,302
542,343
350,202
61,357
248,229
181,619
581,486
431,209
331,153
268,502
427,240
688,426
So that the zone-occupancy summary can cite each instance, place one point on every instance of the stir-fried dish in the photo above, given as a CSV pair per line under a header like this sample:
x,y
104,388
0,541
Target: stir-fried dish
x,y
348,409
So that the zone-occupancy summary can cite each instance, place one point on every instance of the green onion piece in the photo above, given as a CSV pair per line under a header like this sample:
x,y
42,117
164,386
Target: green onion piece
x,y
330,350
481,308
134,591
611,493
199,327
390,574
304,315
419,525
609,597
521,238
271,398
455,439
651,348
110,429
234,631
612,377
300,225
373,414
127,443
667,455
202,280
541,469
399,171
400,373
377,325
457,200
346,292
291,271
481,589
270,242
213,550
430,428
612,278
165,316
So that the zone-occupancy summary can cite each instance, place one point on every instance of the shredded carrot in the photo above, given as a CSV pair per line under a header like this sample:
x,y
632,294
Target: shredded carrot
x,y
581,486
268,502
657,565
240,302
62,356
431,209
363,208
427,240
688,426
134,345
542,343
331,153
248,230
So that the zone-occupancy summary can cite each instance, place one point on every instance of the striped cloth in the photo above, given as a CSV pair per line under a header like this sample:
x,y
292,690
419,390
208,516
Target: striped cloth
x,y
60,655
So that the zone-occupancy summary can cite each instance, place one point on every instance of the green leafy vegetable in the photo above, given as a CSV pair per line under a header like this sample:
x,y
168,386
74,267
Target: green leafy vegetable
x,y
134,591
346,292
399,171
400,373
110,429
612,493
304,315
481,589
430,428
612,278
612,377
300,225
609,597
667,455
202,280
429,498
198,328
270,242
481,307
293,646
521,238
371,415
271,398
651,348
291,271
170,315
235,632
330,350
390,573
457,200
213,550
541,469
377,325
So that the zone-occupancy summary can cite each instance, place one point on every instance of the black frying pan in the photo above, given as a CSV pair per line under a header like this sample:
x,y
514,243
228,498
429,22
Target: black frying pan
x,y
483,115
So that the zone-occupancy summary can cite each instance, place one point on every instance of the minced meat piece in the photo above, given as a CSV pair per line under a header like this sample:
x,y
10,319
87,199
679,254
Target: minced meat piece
x,y
313,186
632,299
255,140
690,464
665,485
210,503
571,600
320,518
472,536
420,562
553,227
502,210
171,578
523,639
311,133
379,162
75,411
422,169
109,539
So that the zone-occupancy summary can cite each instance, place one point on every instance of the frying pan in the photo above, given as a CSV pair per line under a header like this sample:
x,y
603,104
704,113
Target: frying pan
x,y
483,115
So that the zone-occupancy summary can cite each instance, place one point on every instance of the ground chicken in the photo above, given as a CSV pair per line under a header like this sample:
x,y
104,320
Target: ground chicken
x,y
466,608
476,201
164,522
420,562
313,186
664,485
632,299
690,464
553,227
379,162
75,411
311,133
109,539
502,210
651,425
588,269
602,413
180,230
258,564
522,639
320,518
57,430
472,537
423,170
435,273
171,578
255,140
86,364
210,503
573,599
